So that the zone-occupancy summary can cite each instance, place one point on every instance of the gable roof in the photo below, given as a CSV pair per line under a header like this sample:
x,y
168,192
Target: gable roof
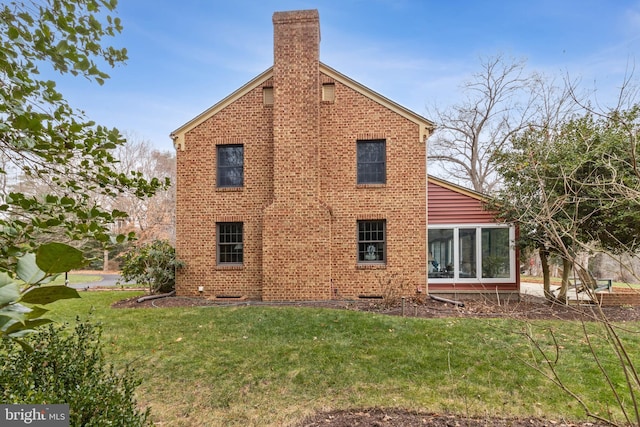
x,y
426,126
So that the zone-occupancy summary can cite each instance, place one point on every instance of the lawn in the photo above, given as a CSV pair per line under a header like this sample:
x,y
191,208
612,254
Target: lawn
x,y
271,366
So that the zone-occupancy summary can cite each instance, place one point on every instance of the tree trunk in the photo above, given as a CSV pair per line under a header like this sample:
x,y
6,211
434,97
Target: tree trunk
x,y
105,260
546,277
567,265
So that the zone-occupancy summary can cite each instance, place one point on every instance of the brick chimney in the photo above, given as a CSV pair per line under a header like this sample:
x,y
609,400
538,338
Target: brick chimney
x,y
296,121
296,230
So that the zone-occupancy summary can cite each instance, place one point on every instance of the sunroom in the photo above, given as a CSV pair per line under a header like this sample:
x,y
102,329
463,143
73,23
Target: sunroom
x,y
469,250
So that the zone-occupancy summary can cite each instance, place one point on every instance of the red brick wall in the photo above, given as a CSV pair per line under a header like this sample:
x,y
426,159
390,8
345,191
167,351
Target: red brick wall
x,y
300,202
401,201
199,204
619,296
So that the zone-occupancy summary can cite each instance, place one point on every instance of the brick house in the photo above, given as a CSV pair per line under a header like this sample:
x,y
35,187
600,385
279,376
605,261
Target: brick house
x,y
301,185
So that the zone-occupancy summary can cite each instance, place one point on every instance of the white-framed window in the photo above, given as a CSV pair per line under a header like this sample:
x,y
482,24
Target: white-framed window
x,y
471,253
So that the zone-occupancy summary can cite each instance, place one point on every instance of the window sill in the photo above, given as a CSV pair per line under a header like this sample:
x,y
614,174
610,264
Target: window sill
x,y
371,185
371,266
229,189
229,267
466,280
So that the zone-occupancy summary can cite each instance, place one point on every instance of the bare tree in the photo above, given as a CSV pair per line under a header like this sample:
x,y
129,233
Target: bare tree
x,y
149,218
152,218
468,133
500,101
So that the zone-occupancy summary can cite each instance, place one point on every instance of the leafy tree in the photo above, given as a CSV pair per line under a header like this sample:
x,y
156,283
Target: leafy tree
x,y
574,189
44,138
18,319
153,264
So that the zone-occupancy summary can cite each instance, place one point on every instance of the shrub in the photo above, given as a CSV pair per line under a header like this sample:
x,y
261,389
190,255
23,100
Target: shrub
x,y
70,368
153,264
394,287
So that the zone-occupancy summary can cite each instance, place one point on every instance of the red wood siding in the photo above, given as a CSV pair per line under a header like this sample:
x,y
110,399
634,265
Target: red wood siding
x,y
446,206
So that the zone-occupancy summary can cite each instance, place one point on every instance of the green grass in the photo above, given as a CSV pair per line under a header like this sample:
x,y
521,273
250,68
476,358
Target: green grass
x,y
271,366
626,285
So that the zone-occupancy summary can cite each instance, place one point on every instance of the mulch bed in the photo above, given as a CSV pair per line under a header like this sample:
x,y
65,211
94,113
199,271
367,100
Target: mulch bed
x,y
528,307
401,418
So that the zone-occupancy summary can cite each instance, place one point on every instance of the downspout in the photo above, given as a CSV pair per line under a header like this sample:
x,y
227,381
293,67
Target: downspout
x,y
425,133
333,291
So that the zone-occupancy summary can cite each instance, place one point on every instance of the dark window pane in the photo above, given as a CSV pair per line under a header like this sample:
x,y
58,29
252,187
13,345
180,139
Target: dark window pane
x,y
230,168
371,156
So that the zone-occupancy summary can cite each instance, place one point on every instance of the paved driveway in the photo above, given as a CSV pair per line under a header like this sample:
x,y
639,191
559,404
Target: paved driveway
x,y
108,280
535,289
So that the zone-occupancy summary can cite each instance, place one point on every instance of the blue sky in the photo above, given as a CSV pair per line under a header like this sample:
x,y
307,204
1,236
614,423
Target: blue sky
x,y
185,56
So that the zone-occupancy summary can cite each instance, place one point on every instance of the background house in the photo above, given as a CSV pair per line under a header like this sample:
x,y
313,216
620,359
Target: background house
x,y
301,185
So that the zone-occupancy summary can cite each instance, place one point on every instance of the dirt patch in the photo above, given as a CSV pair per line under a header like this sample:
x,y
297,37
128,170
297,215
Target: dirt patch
x,y
528,307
